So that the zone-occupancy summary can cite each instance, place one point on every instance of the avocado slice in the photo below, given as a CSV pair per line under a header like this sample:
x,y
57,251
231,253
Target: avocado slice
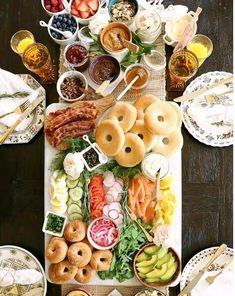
x,y
161,253
170,272
151,261
171,261
141,275
152,280
163,260
157,272
152,250
145,269
141,257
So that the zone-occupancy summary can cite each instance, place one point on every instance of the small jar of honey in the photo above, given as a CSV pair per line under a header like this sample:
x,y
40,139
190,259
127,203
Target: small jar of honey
x,y
137,70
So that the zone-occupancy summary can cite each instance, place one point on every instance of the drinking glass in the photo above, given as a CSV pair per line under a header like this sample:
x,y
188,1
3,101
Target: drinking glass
x,y
37,59
201,46
21,40
183,65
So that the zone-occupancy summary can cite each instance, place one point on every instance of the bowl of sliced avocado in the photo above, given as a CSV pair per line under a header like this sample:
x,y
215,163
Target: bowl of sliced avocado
x,y
156,266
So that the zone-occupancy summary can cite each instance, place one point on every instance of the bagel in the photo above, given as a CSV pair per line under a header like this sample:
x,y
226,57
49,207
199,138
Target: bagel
x,y
75,231
62,272
85,274
124,114
148,138
101,260
56,250
160,118
142,104
79,254
169,144
133,151
110,137
179,113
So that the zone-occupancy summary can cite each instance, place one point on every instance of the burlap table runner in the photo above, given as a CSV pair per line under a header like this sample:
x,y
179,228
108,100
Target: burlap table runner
x,y
155,86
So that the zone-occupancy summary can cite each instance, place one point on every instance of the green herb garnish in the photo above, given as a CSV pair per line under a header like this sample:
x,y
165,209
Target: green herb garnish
x,y
54,223
96,48
19,94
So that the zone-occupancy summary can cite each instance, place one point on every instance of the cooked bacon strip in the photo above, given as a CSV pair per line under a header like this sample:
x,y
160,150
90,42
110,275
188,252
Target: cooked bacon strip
x,y
71,115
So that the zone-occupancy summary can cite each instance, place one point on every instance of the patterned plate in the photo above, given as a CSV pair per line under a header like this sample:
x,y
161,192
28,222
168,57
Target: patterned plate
x,y
200,259
203,135
36,124
18,258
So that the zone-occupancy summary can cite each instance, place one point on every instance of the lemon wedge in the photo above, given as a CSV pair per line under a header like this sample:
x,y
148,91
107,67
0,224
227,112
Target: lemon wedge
x,y
166,182
169,195
23,44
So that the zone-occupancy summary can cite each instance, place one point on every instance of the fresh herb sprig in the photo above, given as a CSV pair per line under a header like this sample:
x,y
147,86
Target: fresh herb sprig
x,y
18,94
96,48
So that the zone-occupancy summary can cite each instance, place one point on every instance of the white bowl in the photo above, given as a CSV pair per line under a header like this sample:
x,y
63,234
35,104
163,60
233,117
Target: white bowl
x,y
87,20
95,245
49,12
68,40
69,74
59,234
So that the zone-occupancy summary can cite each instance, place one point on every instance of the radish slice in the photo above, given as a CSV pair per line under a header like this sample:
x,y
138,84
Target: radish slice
x,y
109,179
119,198
113,192
115,206
106,210
109,198
120,181
113,214
119,219
118,187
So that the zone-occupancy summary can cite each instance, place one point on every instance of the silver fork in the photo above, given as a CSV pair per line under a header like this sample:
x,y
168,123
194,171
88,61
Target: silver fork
x,y
19,109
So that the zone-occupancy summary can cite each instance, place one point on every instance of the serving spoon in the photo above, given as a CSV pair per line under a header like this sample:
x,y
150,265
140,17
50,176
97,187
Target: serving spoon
x,y
66,34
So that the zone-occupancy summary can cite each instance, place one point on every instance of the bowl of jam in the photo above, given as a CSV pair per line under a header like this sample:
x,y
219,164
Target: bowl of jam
x,y
104,67
76,55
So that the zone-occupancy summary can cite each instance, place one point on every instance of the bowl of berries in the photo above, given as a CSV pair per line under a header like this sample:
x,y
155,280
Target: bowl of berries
x,y
53,7
85,10
64,22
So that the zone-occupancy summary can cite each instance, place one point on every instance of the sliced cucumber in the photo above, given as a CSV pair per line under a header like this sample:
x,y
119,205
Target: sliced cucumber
x,y
76,193
73,208
72,178
80,183
70,201
71,183
75,216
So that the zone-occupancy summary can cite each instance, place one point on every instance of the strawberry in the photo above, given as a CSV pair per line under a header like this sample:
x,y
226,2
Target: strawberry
x,y
83,6
84,14
93,4
92,12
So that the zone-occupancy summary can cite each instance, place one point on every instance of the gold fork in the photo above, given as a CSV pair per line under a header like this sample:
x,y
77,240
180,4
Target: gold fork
x,y
19,109
134,218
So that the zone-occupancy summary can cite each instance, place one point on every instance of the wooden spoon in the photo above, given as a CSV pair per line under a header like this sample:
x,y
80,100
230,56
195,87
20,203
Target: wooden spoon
x,y
129,45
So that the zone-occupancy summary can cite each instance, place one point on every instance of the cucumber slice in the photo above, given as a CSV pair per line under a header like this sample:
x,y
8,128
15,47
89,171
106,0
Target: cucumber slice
x,y
75,216
76,193
80,183
73,208
78,202
71,183
72,178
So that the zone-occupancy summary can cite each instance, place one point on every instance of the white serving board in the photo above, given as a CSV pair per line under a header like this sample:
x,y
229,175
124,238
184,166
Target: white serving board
x,y
175,168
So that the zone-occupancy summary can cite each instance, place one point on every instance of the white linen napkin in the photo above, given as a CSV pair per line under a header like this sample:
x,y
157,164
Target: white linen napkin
x,y
222,286
115,293
11,83
215,118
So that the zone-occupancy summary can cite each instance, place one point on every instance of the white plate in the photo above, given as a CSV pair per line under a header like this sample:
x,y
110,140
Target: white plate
x,y
175,168
199,261
203,135
18,258
36,118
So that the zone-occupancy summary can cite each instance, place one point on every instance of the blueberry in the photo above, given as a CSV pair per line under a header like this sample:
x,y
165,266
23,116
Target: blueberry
x,y
62,37
69,22
55,25
65,20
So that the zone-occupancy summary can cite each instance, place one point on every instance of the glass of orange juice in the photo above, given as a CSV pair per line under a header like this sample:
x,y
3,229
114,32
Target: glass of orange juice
x,y
21,40
201,46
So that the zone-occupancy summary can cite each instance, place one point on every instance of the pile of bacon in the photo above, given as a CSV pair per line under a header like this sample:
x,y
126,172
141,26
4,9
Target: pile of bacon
x,y
70,123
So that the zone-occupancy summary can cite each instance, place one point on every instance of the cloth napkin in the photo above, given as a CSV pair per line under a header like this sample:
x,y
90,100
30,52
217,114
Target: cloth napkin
x,y
115,293
11,83
9,276
222,286
210,116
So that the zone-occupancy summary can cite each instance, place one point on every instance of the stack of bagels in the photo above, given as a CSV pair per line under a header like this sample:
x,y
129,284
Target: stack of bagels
x,y
131,130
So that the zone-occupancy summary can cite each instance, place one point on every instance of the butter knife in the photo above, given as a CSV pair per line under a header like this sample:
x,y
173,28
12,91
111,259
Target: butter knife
x,y
203,90
197,278
11,129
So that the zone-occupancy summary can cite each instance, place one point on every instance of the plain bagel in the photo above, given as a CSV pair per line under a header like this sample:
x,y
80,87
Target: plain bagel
x,y
160,118
179,113
124,114
169,144
148,138
133,151
110,137
142,104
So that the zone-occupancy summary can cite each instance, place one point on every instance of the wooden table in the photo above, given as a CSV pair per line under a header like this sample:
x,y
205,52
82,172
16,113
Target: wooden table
x,y
207,171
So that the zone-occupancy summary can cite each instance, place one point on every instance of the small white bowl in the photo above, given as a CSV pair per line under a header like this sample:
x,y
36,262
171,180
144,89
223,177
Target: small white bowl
x,y
49,12
87,20
95,245
59,234
66,41
69,74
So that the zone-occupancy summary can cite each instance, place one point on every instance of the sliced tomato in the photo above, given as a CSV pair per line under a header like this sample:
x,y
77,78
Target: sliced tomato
x,y
96,214
99,205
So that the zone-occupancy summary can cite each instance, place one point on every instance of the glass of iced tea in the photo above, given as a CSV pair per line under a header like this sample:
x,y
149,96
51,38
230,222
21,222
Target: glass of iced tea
x,y
37,59
21,40
137,70
183,65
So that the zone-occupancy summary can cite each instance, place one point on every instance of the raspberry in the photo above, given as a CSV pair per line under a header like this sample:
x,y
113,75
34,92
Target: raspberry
x,y
48,7
61,7
54,2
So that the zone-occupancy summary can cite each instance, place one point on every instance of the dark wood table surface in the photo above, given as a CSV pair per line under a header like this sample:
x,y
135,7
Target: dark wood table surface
x,y
206,171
